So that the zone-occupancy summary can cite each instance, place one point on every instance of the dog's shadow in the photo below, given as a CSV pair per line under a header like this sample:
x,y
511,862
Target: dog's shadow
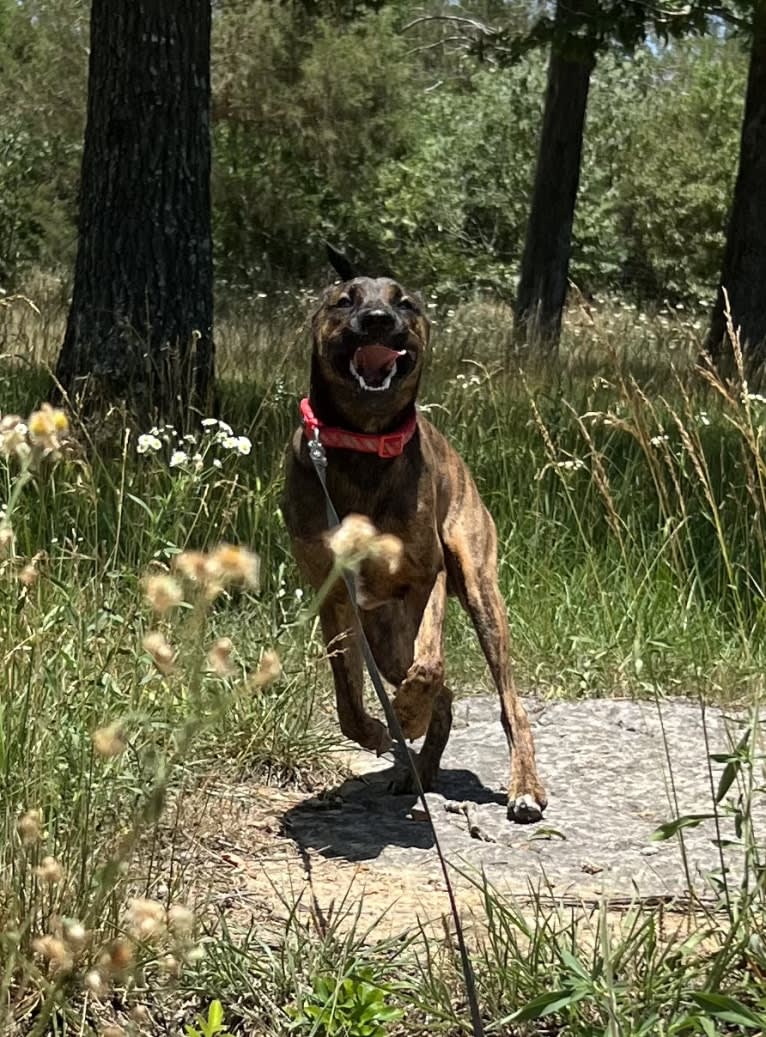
x,y
360,818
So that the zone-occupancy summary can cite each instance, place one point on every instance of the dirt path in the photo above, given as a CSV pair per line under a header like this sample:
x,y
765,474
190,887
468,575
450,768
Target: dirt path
x,y
606,768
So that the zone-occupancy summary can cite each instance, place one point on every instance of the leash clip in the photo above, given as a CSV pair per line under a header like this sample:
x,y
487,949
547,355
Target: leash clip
x,y
317,451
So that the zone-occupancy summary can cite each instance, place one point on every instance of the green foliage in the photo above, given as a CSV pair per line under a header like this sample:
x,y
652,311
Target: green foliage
x,y
599,25
304,118
210,1025
658,171
460,211
43,61
349,1006
333,123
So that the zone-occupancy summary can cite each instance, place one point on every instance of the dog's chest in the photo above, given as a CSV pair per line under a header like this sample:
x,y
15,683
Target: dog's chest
x,y
391,493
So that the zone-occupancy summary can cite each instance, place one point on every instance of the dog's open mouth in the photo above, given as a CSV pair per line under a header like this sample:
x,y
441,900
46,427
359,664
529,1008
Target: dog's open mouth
x,y
375,366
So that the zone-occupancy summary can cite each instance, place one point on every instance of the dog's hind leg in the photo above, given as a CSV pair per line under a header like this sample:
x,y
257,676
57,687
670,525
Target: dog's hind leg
x,y
472,562
339,629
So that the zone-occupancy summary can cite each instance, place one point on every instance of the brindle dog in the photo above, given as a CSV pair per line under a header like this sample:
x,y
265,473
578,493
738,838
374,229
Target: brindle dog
x,y
370,338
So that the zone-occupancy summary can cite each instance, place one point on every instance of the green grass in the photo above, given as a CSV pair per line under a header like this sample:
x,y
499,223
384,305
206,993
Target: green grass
x,y
628,492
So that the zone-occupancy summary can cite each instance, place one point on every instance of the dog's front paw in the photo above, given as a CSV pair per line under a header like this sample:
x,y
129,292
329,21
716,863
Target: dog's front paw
x,y
525,809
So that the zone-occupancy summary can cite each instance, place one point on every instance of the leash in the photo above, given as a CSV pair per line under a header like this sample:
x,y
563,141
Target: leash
x,y
319,461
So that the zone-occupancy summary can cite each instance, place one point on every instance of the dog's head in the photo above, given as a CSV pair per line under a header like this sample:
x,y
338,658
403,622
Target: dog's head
x,y
370,337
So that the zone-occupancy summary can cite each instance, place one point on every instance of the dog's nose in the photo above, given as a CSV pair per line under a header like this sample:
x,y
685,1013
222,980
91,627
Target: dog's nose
x,y
375,321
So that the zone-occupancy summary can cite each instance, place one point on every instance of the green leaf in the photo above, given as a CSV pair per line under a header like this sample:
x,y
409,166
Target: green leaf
x,y
732,768
707,1026
389,1014
547,1004
141,504
574,965
671,828
547,833
730,1010
215,1017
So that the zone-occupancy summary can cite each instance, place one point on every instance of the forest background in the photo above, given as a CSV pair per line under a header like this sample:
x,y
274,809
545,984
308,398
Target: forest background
x,y
333,122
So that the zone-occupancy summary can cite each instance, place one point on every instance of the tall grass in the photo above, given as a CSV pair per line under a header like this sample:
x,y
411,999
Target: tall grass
x,y
628,491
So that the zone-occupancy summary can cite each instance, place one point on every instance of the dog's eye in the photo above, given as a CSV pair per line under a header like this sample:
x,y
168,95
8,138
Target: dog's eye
x,y
406,304
344,300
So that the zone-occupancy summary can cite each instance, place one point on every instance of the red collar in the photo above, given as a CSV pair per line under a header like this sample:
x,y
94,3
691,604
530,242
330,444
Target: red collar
x,y
390,445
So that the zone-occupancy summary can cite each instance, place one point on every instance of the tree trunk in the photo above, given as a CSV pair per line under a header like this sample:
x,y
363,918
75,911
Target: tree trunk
x,y
743,274
542,290
140,323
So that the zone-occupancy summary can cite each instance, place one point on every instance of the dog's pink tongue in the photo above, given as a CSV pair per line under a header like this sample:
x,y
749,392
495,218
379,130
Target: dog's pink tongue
x,y
375,362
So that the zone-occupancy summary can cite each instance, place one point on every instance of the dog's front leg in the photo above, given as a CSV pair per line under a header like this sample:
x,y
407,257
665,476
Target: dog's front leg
x,y
415,696
423,705
340,634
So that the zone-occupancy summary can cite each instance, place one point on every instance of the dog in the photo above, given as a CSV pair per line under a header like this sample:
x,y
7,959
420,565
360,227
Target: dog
x,y
370,339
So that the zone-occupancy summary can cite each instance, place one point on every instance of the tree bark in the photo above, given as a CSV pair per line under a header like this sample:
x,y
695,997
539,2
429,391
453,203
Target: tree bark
x,y
542,289
140,322
743,273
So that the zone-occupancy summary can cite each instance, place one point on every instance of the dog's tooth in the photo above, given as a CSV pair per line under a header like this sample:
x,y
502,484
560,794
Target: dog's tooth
x,y
386,384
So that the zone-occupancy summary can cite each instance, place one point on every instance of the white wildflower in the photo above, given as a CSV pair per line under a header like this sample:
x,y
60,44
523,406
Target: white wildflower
x,y
659,440
571,465
209,422
148,443
178,458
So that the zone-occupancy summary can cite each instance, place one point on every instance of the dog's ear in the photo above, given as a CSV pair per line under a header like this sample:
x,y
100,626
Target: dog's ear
x,y
340,263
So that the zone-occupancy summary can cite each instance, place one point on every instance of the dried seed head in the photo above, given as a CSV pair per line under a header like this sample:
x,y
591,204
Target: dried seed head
x,y
140,1014
50,871
13,437
110,741
146,918
75,934
30,827
235,565
117,957
163,593
390,550
28,575
161,652
180,920
6,540
95,983
112,1030
171,965
192,566
352,539
219,657
194,954
268,671
55,951
46,427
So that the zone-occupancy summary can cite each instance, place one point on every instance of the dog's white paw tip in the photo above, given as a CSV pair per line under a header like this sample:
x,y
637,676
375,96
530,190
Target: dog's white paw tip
x,y
524,810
